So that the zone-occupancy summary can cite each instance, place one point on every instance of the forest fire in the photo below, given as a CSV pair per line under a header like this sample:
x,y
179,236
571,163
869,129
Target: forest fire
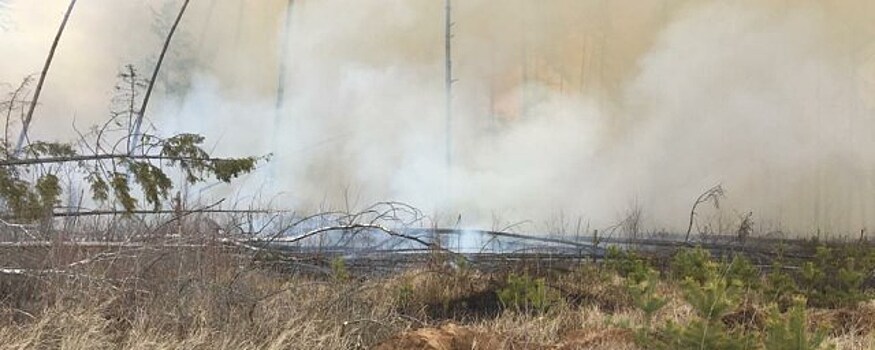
x,y
437,174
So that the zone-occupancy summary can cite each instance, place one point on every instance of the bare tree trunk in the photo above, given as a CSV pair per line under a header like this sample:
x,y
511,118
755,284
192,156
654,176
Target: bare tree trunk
x,y
448,41
25,125
135,137
281,86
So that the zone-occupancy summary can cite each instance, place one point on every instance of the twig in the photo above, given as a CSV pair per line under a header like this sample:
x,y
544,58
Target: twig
x,y
20,227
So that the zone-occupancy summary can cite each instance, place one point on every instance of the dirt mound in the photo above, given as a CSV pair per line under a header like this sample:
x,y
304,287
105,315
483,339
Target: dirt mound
x,y
448,337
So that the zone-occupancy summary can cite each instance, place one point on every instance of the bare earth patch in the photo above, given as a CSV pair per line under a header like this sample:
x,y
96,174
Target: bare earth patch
x,y
447,337
455,337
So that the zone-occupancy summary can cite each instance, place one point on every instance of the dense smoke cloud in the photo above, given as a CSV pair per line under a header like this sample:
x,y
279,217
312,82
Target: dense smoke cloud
x,y
572,108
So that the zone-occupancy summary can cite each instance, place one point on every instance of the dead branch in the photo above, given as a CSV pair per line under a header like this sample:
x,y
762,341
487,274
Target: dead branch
x,y
714,194
100,244
54,272
351,227
524,237
160,212
95,258
745,227
22,228
98,157
14,100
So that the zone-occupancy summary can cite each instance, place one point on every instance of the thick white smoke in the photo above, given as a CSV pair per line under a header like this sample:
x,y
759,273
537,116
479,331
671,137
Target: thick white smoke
x,y
584,108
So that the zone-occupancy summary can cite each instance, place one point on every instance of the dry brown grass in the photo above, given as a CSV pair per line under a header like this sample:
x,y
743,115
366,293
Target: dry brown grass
x,y
180,299
216,298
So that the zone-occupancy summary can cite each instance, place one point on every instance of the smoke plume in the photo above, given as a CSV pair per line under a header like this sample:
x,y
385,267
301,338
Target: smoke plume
x,y
563,108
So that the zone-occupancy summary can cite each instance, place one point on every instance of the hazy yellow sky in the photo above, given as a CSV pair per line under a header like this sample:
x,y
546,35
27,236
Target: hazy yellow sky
x,y
562,42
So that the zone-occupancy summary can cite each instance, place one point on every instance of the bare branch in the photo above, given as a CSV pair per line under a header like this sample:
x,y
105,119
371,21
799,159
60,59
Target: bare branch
x,y
714,194
159,212
97,157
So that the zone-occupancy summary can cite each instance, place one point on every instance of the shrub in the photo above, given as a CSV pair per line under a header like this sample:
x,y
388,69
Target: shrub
x,y
523,293
405,294
695,264
780,287
627,264
712,297
836,276
339,270
788,332
648,301
591,284
742,270
698,265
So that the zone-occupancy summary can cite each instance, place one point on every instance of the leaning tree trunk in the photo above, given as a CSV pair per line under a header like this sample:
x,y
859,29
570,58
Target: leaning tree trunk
x,y
138,123
25,124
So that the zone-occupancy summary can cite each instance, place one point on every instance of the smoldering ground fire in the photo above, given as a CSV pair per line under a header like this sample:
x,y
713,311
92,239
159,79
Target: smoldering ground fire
x,y
573,108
